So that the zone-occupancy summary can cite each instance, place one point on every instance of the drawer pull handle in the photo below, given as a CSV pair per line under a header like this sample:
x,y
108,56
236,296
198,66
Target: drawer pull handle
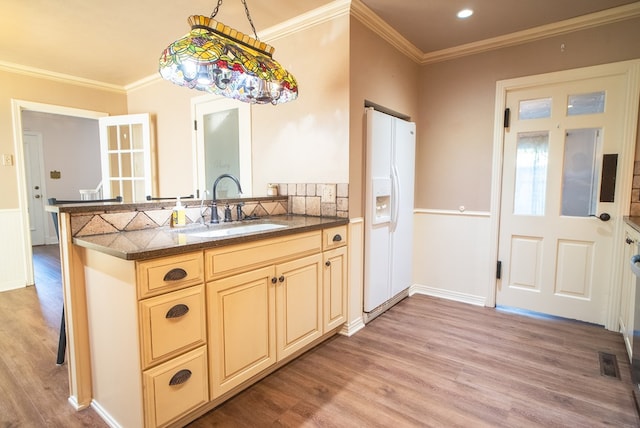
x,y
177,311
175,274
337,238
181,377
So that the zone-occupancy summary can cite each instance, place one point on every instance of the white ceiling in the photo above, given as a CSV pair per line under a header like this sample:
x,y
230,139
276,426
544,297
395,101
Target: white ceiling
x,y
118,42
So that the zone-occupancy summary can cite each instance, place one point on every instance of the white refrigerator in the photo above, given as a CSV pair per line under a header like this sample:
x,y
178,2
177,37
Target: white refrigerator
x,y
390,170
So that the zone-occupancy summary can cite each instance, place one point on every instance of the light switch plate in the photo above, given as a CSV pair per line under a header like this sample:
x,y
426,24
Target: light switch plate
x,y
7,160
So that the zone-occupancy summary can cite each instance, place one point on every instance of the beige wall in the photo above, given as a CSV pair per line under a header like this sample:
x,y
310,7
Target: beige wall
x,y
457,98
305,141
46,91
382,75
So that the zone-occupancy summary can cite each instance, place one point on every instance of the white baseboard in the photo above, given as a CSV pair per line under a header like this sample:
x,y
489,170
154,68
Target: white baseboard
x,y
349,329
447,294
106,417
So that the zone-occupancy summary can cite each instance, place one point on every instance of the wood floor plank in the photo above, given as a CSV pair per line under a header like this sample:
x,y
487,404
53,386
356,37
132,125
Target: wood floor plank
x,y
426,362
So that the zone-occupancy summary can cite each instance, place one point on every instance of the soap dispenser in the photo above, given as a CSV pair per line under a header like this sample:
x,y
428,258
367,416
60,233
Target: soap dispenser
x,y
178,217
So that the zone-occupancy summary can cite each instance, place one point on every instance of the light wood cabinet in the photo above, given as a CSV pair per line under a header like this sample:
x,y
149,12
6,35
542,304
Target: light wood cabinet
x,y
209,323
334,288
270,299
172,324
176,387
298,304
241,327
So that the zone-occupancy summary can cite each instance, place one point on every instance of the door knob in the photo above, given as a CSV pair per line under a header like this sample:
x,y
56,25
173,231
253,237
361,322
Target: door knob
x,y
604,217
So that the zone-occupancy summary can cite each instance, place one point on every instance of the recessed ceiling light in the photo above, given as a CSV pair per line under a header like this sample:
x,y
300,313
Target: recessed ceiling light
x,y
465,13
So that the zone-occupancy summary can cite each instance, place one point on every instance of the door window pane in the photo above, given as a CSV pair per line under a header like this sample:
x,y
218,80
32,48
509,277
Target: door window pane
x,y
580,172
535,109
586,103
125,137
531,173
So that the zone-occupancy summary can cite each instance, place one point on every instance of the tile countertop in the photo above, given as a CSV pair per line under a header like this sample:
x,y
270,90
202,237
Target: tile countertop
x,y
165,241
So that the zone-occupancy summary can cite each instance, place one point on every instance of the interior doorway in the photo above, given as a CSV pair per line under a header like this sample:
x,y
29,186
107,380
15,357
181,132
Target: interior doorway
x,y
18,107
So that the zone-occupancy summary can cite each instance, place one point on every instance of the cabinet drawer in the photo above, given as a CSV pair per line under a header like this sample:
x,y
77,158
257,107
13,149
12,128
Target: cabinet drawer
x,y
175,388
172,323
226,261
334,237
169,273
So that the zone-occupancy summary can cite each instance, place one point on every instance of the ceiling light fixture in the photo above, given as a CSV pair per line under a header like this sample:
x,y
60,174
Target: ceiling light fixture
x,y
215,58
465,13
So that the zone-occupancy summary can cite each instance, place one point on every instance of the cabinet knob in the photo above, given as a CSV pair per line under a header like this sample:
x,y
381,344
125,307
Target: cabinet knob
x,y
175,274
177,311
327,263
181,377
629,241
337,238
274,280
281,279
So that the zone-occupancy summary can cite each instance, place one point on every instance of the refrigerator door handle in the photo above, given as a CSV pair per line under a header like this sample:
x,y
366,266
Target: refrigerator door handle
x,y
395,194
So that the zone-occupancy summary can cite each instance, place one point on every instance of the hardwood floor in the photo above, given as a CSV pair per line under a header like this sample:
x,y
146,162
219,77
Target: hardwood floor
x,y
426,362
33,389
436,363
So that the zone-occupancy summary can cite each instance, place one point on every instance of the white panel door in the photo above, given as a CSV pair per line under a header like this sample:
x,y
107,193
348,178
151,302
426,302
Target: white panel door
x,y
35,185
556,251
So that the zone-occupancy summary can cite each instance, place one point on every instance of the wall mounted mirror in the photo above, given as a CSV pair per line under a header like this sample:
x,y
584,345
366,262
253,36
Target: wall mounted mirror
x,y
222,145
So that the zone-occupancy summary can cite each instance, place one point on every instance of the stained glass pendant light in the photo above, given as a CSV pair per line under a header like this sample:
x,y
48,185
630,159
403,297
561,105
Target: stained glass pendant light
x,y
215,58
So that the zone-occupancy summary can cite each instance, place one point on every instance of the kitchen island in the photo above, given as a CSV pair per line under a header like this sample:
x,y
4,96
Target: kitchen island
x,y
165,324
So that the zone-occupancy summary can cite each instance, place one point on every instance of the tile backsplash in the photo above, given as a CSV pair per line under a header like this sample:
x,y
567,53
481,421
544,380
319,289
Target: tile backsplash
x,y
635,191
330,200
325,199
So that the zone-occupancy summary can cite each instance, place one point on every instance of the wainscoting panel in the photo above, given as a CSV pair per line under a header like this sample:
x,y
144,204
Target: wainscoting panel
x,y
451,255
13,263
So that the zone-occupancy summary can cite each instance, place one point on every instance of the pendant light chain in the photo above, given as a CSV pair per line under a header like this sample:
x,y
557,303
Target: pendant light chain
x,y
215,11
246,9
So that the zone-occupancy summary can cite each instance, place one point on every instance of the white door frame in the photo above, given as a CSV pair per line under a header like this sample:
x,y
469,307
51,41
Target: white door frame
x,y
17,107
632,71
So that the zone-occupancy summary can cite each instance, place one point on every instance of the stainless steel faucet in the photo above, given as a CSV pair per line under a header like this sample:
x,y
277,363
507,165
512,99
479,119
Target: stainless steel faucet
x,y
214,204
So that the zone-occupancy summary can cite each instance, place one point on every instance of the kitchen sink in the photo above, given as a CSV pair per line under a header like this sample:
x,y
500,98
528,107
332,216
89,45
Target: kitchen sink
x,y
235,230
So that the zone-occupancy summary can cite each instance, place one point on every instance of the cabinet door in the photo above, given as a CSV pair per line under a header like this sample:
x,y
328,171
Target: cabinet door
x,y
299,304
335,288
242,327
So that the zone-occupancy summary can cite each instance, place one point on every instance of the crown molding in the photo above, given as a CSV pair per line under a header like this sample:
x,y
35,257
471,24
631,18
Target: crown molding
x,y
372,21
583,22
369,19
60,77
309,19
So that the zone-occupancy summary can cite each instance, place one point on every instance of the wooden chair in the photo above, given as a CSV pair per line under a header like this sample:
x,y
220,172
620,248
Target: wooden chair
x,y
62,341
